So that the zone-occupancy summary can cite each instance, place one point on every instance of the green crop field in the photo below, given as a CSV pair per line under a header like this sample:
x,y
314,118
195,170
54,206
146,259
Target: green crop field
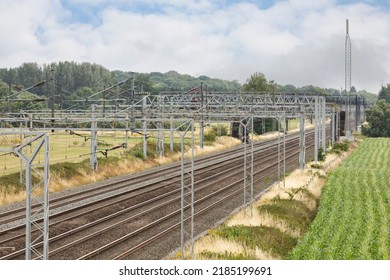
x,y
353,220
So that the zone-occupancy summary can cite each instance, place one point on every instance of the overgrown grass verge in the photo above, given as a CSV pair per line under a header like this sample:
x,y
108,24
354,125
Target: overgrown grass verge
x,y
226,255
294,213
268,239
279,223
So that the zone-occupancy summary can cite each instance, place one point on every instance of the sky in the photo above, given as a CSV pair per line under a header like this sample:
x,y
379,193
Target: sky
x,y
299,42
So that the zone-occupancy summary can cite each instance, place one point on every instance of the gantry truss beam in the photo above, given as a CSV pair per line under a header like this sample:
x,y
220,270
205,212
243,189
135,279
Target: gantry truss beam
x,y
211,106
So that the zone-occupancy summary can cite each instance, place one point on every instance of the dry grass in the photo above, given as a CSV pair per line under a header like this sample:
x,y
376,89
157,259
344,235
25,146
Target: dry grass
x,y
125,166
7,198
221,246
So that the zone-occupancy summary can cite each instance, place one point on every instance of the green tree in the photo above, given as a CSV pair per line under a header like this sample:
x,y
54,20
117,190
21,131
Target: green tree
x,y
8,76
143,83
29,74
3,95
369,98
258,82
24,100
378,118
32,102
384,93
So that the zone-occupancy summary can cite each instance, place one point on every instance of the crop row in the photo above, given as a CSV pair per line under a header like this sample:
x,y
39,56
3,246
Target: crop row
x,y
353,220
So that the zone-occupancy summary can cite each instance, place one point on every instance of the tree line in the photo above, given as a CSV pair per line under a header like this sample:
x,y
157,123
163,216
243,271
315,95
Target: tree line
x,y
72,83
378,116
76,85
258,82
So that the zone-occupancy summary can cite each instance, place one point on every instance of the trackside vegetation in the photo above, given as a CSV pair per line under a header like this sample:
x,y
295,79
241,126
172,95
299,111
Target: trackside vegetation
x,y
353,219
277,221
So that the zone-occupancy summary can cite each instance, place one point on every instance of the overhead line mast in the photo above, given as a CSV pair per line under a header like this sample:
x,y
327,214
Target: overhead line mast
x,y
348,77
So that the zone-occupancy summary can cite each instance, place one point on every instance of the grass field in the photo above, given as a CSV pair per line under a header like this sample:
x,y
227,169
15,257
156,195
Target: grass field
x,y
65,147
353,221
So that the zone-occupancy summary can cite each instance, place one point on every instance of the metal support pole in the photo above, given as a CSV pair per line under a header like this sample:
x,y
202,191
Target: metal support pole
x,y
28,211
171,134
192,189
347,118
252,162
132,103
46,175
182,198
245,140
201,130
160,130
32,215
281,153
348,78
337,125
263,131
127,132
160,139
302,144
187,193
52,97
30,119
93,160
333,133
357,113
323,123
21,161
316,129
144,137
21,171
286,124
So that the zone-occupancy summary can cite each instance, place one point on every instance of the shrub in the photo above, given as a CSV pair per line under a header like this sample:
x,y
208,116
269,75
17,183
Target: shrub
x,y
67,169
138,152
321,154
223,130
338,147
210,136
316,165
11,182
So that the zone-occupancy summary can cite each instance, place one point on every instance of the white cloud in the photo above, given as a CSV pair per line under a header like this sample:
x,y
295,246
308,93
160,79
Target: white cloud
x,y
297,42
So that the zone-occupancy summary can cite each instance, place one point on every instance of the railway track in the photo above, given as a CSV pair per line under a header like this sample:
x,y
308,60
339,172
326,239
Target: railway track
x,y
137,181
131,215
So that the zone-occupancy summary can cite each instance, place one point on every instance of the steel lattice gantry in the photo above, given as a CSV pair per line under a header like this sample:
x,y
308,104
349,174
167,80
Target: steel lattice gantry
x,y
34,145
176,105
213,106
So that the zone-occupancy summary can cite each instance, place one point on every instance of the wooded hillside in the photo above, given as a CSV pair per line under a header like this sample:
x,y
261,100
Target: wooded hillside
x,y
72,84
